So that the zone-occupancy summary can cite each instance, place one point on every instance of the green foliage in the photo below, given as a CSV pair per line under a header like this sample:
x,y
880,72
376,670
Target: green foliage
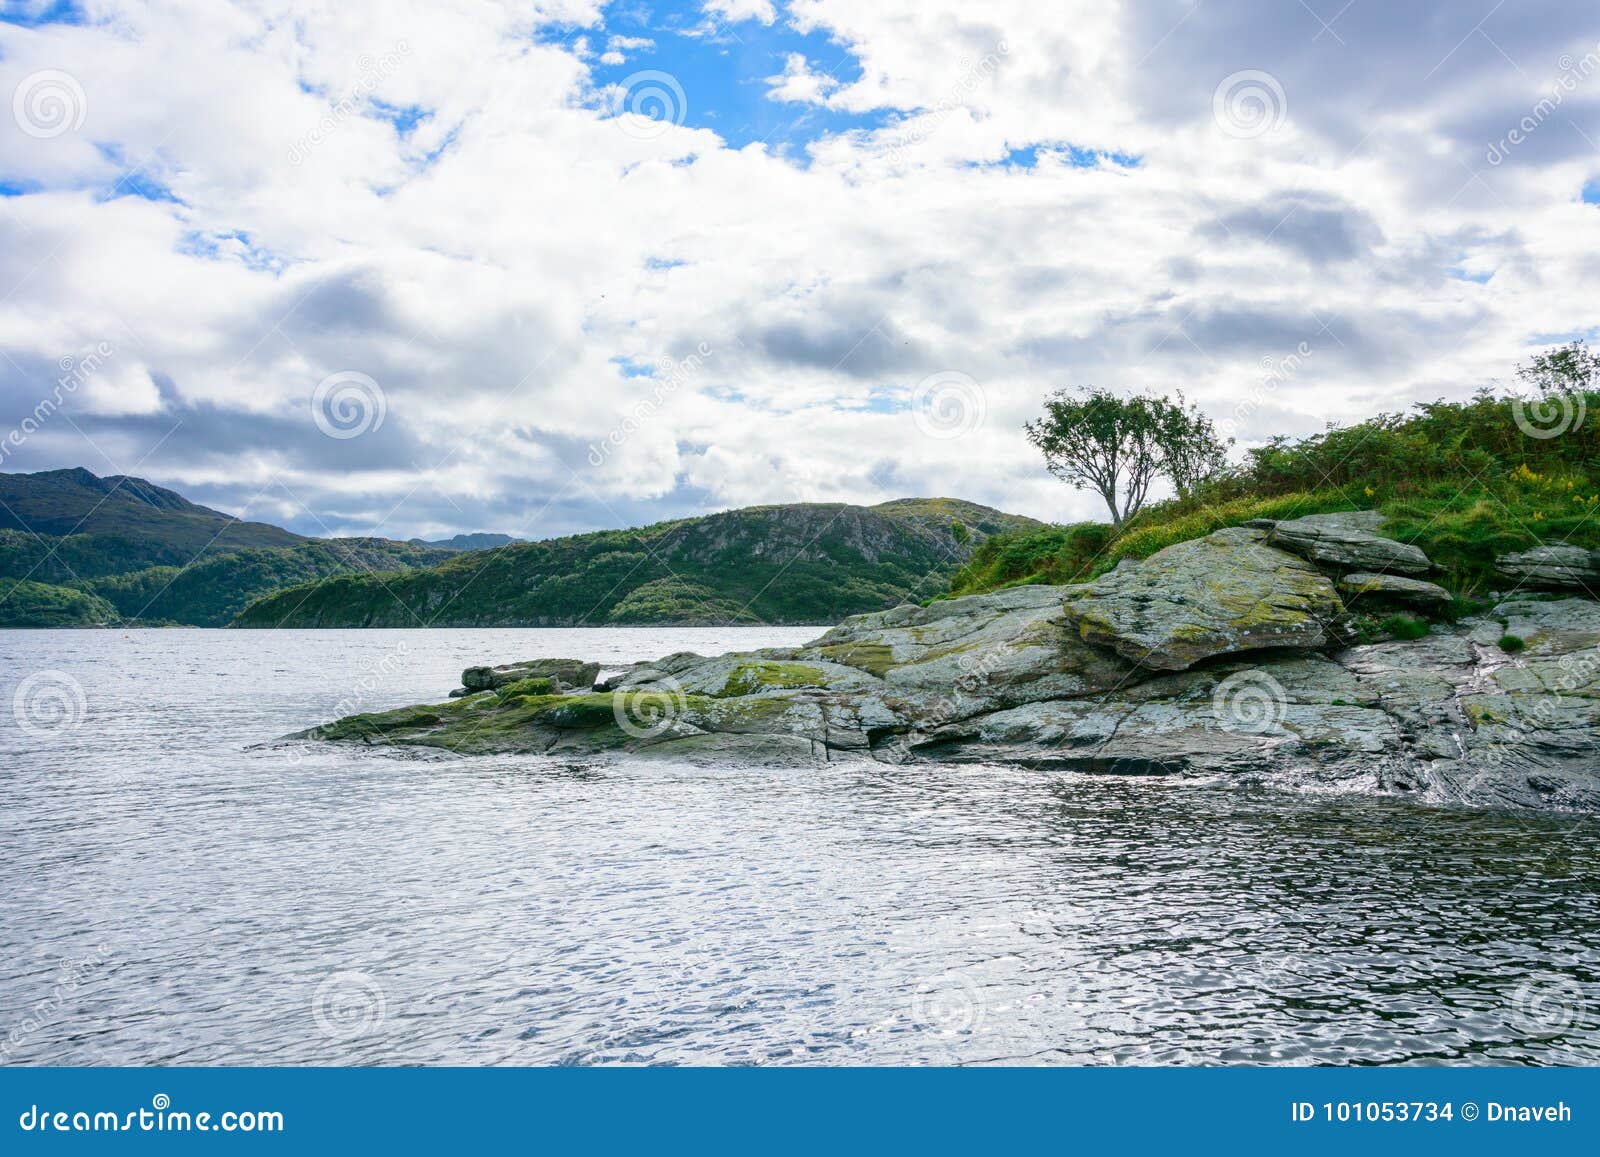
x,y
1093,439
31,604
1080,551
1404,627
1567,369
155,557
525,687
1511,644
806,563
1465,481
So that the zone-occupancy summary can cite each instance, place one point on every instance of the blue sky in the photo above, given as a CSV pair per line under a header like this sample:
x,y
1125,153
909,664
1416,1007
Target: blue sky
x,y
861,246
724,71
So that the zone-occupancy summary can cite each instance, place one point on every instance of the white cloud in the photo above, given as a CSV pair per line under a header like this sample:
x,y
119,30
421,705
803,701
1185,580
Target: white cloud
x,y
435,196
738,11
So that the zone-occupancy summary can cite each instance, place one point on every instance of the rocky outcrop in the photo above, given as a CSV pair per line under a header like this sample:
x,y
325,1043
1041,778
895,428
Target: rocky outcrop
x,y
564,675
1218,595
1557,566
1345,542
1393,588
1255,688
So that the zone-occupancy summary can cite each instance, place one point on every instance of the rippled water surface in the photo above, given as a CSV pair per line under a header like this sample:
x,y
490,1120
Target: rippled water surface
x,y
168,894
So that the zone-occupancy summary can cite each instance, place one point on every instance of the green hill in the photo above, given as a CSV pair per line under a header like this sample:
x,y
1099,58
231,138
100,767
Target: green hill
x,y
79,550
31,604
802,563
1465,481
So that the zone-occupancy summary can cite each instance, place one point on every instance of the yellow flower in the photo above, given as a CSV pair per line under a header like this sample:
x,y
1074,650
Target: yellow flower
x,y
1370,492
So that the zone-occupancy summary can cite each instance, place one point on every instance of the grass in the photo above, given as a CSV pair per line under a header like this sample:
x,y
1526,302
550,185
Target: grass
x,y
1404,627
1460,480
1512,644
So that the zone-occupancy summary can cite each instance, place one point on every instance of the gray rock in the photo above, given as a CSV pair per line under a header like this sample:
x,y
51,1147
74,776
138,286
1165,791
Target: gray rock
x,y
1449,718
957,657
1218,595
1393,588
1557,566
572,673
1347,542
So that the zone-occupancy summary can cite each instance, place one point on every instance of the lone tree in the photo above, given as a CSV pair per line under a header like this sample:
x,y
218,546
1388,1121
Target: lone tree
x,y
1567,369
1092,439
1191,450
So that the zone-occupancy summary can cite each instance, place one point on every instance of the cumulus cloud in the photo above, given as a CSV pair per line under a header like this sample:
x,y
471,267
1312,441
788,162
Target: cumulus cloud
x,y
443,197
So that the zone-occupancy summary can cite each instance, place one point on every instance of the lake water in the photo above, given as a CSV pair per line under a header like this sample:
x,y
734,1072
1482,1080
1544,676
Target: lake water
x,y
172,895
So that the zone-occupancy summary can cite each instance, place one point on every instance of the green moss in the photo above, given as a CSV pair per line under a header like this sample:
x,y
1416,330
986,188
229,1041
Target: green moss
x,y
381,724
1480,712
1511,644
873,658
751,678
524,687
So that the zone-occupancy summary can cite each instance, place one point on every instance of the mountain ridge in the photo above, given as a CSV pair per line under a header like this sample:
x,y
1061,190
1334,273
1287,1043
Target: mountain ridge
x,y
791,563
77,549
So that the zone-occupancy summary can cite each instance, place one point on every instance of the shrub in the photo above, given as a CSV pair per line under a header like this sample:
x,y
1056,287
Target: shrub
x,y
1404,627
1511,644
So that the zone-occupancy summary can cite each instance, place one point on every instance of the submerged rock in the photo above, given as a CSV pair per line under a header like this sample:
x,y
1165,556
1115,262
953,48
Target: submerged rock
x,y
1221,594
1015,676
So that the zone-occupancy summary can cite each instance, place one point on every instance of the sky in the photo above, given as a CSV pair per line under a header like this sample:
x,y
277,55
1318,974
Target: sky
x,y
457,265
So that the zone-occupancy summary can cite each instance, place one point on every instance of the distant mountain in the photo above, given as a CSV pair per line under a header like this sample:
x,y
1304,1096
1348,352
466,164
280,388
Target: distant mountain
x,y
80,550
123,522
479,541
804,563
